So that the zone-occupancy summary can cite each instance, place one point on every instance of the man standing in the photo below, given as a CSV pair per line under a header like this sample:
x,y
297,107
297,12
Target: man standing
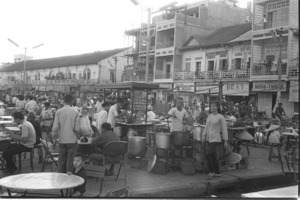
x,y
179,116
27,140
31,106
113,113
66,126
99,105
102,115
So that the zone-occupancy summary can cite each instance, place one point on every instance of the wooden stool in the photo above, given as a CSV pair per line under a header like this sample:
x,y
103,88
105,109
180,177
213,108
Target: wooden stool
x,y
31,151
271,154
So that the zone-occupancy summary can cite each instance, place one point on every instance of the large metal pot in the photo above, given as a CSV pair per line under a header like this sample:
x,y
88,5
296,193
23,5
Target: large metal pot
x,y
180,138
163,140
198,132
136,146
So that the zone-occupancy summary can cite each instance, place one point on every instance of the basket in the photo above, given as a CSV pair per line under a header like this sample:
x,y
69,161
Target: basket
x,y
188,166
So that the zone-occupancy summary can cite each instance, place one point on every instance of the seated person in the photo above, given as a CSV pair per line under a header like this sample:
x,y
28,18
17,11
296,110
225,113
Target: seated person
x,y
26,139
38,133
240,122
99,143
79,170
273,134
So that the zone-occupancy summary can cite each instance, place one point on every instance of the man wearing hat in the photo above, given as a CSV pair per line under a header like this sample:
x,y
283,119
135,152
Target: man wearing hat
x,y
273,134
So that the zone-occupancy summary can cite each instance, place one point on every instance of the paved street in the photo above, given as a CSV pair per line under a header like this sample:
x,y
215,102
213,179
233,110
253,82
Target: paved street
x,y
175,184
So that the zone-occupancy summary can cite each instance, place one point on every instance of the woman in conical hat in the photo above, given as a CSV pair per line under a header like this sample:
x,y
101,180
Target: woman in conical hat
x,y
273,134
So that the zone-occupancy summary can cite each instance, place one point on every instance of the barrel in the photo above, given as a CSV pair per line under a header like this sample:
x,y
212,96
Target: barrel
x,y
136,146
163,140
198,132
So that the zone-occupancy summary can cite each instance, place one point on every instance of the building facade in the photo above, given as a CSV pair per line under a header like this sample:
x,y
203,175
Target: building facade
x,y
275,40
169,31
59,73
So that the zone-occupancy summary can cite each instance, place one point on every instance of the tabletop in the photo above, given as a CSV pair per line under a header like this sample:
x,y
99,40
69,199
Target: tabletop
x,y
6,117
290,134
41,181
6,122
286,192
13,128
126,124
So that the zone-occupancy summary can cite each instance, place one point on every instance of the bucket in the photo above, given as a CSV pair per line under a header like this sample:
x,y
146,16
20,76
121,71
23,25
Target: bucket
x,y
163,140
188,166
180,138
136,146
198,132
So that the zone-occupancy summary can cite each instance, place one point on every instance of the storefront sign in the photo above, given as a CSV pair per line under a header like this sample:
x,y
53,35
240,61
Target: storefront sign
x,y
205,89
294,91
271,86
236,88
184,87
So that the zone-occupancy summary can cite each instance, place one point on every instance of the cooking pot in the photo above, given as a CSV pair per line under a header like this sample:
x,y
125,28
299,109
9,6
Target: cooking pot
x,y
198,132
180,138
136,146
163,140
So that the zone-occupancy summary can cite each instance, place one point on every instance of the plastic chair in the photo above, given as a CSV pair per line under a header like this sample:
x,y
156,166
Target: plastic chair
x,y
49,158
96,171
31,151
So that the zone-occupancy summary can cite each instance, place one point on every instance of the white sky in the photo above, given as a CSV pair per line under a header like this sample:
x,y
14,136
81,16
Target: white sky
x,y
70,27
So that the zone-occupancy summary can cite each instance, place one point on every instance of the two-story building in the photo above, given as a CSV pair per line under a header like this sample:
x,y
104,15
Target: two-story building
x,y
169,31
275,38
220,60
61,73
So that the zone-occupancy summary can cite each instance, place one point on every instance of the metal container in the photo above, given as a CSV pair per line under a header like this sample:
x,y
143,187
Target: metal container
x,y
259,138
198,132
180,138
136,146
163,140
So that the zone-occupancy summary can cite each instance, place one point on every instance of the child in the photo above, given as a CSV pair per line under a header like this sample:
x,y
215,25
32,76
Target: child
x,y
79,171
46,118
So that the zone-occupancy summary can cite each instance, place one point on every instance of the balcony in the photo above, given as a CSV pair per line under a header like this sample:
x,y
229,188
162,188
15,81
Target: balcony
x,y
163,75
210,75
137,78
271,24
262,70
294,72
164,45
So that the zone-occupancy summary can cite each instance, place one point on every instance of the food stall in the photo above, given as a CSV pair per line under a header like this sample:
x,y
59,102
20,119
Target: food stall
x,y
135,97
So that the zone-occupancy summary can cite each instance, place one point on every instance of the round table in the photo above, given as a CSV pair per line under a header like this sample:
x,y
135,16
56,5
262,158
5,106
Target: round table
x,y
41,181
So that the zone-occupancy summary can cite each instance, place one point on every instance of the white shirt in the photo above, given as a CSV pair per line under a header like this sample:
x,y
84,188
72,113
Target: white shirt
x,y
31,106
150,115
101,118
177,124
112,113
99,106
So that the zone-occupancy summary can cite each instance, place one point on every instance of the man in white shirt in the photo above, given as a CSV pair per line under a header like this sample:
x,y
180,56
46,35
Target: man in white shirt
x,y
99,105
102,115
113,113
150,114
31,106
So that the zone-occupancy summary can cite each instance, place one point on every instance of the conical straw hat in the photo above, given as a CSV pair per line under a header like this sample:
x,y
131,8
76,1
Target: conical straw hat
x,y
233,158
244,135
272,127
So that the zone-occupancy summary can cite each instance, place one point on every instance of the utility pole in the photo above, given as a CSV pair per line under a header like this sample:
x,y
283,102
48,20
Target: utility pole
x,y
278,33
148,45
116,61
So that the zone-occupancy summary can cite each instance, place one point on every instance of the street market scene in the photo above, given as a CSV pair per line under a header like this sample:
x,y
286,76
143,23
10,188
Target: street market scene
x,y
200,101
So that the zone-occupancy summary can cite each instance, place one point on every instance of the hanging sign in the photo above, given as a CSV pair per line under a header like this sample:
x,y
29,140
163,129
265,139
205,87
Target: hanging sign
x,y
184,87
269,86
236,88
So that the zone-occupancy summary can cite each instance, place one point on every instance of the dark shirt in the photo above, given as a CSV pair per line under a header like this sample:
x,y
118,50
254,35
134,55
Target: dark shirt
x,y
105,138
239,123
38,131
279,112
82,174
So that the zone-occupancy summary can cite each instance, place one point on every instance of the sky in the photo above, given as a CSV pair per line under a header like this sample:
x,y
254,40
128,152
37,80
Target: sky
x,y
70,27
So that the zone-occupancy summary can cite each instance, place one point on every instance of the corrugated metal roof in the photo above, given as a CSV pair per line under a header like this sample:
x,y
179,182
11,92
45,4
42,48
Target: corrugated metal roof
x,y
245,37
219,36
83,59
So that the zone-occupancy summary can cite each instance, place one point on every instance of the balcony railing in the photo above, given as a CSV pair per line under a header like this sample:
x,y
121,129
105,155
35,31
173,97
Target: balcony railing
x,y
208,75
137,78
262,70
164,45
272,24
163,75
294,72
51,82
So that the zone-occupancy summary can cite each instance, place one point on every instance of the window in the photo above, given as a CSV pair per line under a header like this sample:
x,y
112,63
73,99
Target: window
x,y
188,66
87,73
223,64
238,63
210,65
198,67
112,75
278,5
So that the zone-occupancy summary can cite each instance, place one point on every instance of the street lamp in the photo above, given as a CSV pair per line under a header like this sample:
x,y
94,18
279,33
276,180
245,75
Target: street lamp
x,y
148,39
25,57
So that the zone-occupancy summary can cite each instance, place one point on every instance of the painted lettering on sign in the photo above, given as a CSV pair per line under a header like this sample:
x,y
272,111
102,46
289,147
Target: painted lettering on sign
x,y
236,88
269,86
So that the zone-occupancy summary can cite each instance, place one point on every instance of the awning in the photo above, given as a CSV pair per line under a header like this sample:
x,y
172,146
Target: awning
x,y
128,86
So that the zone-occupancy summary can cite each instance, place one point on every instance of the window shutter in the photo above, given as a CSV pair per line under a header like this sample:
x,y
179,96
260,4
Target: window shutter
x,y
242,64
233,64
